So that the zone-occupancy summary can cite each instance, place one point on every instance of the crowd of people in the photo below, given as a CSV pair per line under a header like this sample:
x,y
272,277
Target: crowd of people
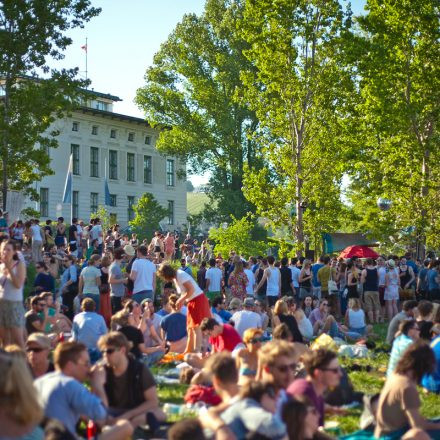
x,y
103,308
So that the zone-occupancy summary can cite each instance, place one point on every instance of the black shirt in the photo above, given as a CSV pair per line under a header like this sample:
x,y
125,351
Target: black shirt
x,y
135,336
286,280
72,230
32,317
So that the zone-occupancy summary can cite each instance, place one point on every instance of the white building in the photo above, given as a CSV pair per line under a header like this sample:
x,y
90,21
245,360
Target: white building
x,y
98,139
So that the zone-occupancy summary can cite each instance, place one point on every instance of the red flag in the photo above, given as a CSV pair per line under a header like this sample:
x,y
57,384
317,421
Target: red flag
x,y
84,47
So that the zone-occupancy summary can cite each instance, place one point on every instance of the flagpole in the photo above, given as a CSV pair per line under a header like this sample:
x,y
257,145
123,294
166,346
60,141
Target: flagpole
x,y
87,51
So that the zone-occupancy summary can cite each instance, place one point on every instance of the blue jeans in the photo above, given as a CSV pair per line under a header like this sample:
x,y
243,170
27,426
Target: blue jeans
x,y
95,298
152,358
143,294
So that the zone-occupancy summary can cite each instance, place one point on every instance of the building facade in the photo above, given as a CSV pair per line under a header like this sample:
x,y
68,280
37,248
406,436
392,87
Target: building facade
x,y
119,147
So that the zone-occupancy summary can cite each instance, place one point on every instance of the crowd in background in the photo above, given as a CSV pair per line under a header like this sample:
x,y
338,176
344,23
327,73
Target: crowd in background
x,y
104,307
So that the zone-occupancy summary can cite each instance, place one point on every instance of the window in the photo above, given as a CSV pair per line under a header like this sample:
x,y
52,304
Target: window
x,y
113,133
74,150
147,169
75,126
100,105
95,130
94,162
131,137
130,167
113,164
113,200
93,202
44,202
170,212
75,204
147,140
130,210
170,172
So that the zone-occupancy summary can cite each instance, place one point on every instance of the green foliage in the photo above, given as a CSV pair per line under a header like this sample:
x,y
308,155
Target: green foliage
x,y
29,213
237,237
32,33
398,61
302,94
106,220
148,214
193,88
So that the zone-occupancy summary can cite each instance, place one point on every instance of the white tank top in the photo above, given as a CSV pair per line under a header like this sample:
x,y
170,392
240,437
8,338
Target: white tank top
x,y
7,290
273,287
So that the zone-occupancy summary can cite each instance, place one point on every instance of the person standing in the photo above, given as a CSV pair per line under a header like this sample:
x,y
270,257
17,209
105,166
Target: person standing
x,y
73,237
90,280
273,278
169,246
12,278
69,284
60,237
143,274
96,233
305,280
392,283
370,280
238,281
381,272
251,279
37,241
287,287
117,281
296,271
201,275
407,278
316,285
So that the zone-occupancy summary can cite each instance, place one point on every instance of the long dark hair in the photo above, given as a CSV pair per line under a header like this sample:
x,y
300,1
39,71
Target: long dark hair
x,y
417,359
294,415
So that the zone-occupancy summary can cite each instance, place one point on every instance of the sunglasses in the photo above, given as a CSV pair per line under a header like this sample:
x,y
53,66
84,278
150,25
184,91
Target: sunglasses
x,y
34,349
256,340
109,350
285,368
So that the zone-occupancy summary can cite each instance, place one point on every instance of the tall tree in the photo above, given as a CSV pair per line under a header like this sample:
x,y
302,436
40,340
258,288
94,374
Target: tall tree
x,y
399,80
31,33
193,88
302,95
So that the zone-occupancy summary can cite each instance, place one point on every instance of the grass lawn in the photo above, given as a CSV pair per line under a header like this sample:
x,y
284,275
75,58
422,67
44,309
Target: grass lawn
x,y
369,382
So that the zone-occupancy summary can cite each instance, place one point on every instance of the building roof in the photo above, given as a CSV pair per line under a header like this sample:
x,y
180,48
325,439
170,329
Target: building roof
x,y
102,95
112,115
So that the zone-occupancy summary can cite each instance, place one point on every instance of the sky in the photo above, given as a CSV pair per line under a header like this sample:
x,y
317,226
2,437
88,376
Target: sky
x,y
122,41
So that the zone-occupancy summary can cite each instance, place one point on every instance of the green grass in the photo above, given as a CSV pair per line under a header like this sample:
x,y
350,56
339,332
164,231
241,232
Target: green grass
x,y
196,202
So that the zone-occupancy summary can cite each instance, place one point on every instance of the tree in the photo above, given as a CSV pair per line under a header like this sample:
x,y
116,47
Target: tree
x,y
148,214
194,89
189,186
302,94
106,220
399,78
31,33
237,237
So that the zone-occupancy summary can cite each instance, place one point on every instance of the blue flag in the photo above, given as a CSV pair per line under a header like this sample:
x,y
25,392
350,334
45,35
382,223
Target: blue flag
x,y
67,194
106,193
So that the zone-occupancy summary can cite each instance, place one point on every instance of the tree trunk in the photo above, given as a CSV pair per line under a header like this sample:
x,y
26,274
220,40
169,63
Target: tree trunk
x,y
421,242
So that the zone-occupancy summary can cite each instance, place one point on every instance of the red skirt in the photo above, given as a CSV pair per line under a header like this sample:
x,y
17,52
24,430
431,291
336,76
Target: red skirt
x,y
198,309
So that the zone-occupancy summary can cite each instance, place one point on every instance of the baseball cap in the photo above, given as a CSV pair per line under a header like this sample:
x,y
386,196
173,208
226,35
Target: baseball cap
x,y
40,339
129,250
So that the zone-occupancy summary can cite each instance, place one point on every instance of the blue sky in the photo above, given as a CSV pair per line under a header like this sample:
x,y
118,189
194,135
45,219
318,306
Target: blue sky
x,y
122,41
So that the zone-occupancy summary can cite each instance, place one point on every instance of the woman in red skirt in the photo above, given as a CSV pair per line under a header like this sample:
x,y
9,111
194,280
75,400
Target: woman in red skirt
x,y
197,303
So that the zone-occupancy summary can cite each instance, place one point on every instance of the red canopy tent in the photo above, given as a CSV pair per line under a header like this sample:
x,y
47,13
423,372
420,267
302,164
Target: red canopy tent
x,y
358,251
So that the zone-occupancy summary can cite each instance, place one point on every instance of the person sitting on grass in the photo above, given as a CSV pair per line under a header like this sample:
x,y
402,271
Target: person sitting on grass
x,y
323,372
407,334
197,303
218,308
399,402
431,382
304,325
173,327
355,318
282,333
247,358
130,388
409,311
281,315
424,319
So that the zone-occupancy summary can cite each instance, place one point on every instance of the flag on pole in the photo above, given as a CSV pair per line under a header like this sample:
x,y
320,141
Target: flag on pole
x,y
67,194
106,193
84,47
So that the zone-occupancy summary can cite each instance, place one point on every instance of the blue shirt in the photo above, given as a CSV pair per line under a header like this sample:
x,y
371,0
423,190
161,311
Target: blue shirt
x,y
412,264
65,399
432,283
71,273
432,381
224,314
400,344
87,328
174,326
315,269
162,313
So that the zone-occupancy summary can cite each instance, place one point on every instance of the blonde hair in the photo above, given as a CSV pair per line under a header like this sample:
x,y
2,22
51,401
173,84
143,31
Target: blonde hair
x,y
120,318
251,333
16,351
354,303
114,339
18,395
238,266
271,351
281,307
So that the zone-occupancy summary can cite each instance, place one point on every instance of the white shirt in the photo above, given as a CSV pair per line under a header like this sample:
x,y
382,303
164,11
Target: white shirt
x,y
145,271
381,271
96,233
36,233
251,281
273,286
214,275
79,232
245,319
181,278
295,275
